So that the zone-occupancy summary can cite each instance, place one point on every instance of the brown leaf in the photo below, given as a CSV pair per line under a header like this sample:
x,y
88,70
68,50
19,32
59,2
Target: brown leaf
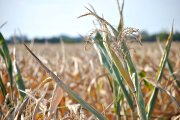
x,y
57,96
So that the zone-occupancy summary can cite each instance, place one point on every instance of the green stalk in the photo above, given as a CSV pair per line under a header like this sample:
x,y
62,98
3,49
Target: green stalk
x,y
8,61
106,61
172,72
125,75
164,58
117,62
138,95
20,83
118,98
170,67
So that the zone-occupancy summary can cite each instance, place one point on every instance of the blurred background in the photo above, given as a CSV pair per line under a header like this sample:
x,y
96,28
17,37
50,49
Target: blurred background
x,y
44,19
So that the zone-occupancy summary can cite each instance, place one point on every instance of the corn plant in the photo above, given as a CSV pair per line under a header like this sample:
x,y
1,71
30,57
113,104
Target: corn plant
x,y
164,59
111,46
11,65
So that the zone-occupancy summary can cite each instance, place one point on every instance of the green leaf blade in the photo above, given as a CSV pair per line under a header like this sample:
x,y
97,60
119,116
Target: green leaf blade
x,y
20,83
8,59
153,98
110,66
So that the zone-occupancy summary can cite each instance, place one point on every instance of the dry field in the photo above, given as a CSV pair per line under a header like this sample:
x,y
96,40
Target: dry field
x,y
81,70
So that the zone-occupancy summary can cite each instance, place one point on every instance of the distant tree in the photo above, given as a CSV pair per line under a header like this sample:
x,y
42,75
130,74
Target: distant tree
x,y
147,37
18,39
163,36
176,36
68,39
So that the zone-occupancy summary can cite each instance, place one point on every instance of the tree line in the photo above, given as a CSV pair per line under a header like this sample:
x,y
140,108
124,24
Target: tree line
x,y
161,36
67,39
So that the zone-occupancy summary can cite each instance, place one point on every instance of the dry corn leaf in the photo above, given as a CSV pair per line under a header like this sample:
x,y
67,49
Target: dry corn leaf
x,y
57,96
1,98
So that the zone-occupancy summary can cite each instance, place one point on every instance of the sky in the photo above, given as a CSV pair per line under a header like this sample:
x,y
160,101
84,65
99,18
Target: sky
x,y
47,18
